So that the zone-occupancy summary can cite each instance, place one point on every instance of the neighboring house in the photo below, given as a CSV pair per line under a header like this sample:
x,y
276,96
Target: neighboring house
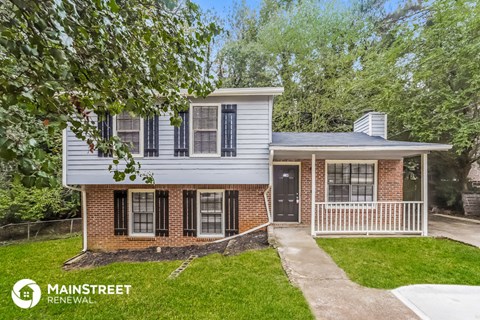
x,y
474,175
224,172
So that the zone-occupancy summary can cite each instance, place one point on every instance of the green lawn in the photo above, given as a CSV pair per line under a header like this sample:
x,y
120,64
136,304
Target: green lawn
x,y
251,285
393,262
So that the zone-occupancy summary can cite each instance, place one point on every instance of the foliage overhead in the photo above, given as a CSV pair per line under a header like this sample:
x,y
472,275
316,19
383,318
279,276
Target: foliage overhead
x,y
418,62
425,73
63,61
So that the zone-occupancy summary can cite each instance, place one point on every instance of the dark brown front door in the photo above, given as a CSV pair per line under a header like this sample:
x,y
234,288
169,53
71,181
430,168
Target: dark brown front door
x,y
285,193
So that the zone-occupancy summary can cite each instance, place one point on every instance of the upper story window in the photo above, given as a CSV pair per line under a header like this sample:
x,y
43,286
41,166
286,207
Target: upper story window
x,y
129,128
351,182
205,130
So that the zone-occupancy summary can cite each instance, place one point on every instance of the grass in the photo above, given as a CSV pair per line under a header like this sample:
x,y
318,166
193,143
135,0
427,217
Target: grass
x,y
251,285
393,262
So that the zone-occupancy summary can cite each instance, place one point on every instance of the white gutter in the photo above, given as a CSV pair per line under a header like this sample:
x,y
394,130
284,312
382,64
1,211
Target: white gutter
x,y
266,91
441,147
314,192
269,215
243,233
265,197
82,189
84,219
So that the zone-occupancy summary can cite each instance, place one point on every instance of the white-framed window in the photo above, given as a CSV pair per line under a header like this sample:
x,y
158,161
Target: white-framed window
x,y
205,130
211,214
351,181
142,212
129,128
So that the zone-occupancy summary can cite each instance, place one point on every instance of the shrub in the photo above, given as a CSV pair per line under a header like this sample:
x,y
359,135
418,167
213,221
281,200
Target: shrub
x,y
18,203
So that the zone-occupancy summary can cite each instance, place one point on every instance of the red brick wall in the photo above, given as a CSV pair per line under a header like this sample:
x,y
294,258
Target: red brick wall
x,y
252,213
390,183
390,180
251,204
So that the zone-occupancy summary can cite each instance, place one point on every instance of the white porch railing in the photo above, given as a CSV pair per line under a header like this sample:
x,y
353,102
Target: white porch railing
x,y
378,217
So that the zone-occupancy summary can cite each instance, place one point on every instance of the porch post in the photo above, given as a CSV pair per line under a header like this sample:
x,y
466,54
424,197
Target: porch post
x,y
424,168
313,192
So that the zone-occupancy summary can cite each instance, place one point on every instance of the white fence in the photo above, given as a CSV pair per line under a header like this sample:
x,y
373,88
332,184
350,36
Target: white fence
x,y
379,217
40,229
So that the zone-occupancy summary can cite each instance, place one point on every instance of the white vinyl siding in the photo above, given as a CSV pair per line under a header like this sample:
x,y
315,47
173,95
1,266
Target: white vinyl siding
x,y
250,166
373,124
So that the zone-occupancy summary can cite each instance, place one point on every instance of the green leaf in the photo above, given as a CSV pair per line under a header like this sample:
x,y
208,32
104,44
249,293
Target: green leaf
x,y
113,6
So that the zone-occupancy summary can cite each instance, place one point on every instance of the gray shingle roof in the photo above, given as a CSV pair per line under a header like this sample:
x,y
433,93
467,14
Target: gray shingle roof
x,y
342,139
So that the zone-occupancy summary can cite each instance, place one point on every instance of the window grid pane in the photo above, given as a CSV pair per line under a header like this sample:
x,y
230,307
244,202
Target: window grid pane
x,y
128,130
205,128
211,211
350,182
143,209
132,139
205,142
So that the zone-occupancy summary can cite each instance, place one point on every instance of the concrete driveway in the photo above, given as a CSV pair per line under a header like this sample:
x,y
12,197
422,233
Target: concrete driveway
x,y
455,228
441,302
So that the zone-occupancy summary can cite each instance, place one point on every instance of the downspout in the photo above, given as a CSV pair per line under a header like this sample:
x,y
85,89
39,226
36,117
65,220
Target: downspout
x,y
84,218
267,207
81,190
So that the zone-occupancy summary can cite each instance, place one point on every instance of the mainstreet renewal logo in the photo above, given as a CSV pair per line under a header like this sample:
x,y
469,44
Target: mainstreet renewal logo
x,y
26,293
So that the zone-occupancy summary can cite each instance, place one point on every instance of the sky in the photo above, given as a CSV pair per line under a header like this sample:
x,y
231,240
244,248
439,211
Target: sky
x,y
222,7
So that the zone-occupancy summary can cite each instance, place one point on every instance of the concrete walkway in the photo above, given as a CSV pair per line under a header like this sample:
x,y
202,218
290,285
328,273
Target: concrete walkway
x,y
329,292
460,230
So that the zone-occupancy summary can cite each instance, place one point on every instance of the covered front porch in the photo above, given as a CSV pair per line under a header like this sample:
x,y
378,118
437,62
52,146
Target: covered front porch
x,y
347,189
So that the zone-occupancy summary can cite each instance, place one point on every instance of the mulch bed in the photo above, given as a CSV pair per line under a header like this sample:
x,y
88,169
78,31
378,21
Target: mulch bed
x,y
253,241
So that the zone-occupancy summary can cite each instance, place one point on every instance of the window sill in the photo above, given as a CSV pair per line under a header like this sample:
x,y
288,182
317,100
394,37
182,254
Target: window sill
x,y
210,237
205,156
141,238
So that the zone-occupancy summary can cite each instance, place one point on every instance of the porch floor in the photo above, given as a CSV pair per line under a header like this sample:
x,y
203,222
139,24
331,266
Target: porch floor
x,y
329,292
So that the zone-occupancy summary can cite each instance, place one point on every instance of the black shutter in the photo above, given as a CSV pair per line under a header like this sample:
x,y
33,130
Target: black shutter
x,y
161,221
231,213
190,213
229,130
150,144
105,126
120,209
182,136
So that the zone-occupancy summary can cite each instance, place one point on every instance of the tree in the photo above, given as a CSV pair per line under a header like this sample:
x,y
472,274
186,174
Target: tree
x,y
315,46
425,72
63,60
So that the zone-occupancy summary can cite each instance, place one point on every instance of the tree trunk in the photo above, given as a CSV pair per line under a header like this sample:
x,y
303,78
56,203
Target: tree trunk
x,y
464,165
